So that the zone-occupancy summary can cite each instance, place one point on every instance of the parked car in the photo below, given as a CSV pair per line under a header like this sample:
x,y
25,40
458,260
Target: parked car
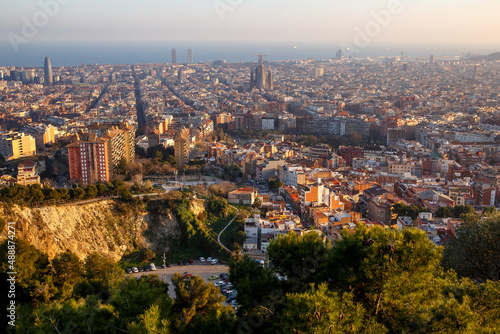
x,y
202,259
128,271
209,259
223,275
220,283
140,269
185,262
191,261
186,275
213,277
153,267
181,263
214,261
135,270
146,268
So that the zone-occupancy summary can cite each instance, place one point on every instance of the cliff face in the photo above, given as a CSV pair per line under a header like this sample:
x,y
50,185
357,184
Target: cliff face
x,y
86,228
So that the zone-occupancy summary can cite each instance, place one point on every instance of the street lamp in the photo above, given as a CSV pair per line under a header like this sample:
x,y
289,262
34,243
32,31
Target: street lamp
x,y
165,267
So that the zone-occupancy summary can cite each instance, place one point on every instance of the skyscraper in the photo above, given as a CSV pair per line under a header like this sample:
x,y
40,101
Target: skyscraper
x,y
431,60
190,56
174,56
339,55
48,72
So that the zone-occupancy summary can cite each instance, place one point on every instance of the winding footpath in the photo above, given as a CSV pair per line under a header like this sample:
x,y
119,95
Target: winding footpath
x,y
218,237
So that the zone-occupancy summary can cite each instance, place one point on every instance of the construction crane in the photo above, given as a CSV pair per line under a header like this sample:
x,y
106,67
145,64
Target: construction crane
x,y
261,57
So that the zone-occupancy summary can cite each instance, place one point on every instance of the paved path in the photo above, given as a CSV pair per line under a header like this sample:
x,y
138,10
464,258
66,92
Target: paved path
x,y
204,270
218,237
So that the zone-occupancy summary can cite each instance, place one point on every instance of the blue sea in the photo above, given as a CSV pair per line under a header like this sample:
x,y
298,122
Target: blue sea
x,y
32,54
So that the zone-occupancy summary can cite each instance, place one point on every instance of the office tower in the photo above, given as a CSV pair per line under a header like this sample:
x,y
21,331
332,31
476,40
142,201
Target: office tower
x,y
47,67
181,148
89,160
270,85
174,56
431,60
339,56
190,56
15,145
402,55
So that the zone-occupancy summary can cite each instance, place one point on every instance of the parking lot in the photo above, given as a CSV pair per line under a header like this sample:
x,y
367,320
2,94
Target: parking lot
x,y
204,270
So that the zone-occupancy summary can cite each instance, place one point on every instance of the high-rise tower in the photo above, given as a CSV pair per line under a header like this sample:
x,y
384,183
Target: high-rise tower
x,y
174,56
47,68
190,56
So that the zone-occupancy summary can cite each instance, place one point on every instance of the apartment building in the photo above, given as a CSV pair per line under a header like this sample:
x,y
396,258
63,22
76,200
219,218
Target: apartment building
x,y
14,145
43,134
89,159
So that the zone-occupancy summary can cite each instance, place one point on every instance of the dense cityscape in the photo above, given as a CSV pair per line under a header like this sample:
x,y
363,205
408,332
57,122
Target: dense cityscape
x,y
342,177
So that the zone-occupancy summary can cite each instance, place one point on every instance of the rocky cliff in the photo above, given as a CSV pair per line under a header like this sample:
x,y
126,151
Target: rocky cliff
x,y
99,226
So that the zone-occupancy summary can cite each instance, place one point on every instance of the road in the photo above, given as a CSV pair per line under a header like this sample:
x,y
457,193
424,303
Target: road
x,y
204,270
218,237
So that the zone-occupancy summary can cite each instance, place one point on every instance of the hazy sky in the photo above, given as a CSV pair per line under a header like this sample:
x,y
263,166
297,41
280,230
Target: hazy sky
x,y
464,22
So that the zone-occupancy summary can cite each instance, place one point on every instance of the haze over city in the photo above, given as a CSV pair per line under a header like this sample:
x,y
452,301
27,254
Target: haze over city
x,y
223,29
250,166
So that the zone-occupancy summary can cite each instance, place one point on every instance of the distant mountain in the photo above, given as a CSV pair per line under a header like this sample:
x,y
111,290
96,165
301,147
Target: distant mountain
x,y
491,57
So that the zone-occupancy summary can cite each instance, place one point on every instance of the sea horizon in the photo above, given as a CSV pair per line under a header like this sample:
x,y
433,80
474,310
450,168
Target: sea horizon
x,y
33,53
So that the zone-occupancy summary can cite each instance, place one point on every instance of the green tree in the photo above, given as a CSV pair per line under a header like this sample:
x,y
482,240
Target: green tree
x,y
90,192
83,316
276,184
253,283
461,210
361,262
78,194
121,167
194,297
303,259
444,212
325,312
67,270
401,209
218,207
32,271
132,296
151,322
233,171
475,251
